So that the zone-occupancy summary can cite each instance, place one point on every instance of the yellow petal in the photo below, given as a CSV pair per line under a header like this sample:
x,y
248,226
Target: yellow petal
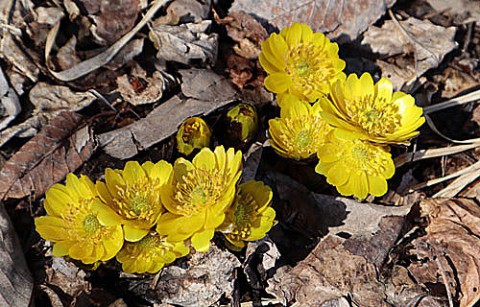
x,y
82,251
384,89
274,50
51,228
205,159
113,245
214,219
106,215
294,34
57,200
114,181
266,64
133,172
201,240
366,86
161,171
104,193
338,174
61,249
377,186
278,82
77,189
133,234
307,33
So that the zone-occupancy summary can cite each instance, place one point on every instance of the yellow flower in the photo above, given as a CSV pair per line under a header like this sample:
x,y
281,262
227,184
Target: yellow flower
x,y
197,195
299,130
133,197
355,167
150,254
72,222
194,133
361,109
300,62
250,217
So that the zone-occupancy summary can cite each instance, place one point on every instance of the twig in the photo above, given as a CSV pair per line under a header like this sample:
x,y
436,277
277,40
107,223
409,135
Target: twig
x,y
445,281
429,183
434,129
457,101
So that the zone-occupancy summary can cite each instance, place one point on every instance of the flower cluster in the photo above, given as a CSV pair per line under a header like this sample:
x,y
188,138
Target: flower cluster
x,y
150,214
348,123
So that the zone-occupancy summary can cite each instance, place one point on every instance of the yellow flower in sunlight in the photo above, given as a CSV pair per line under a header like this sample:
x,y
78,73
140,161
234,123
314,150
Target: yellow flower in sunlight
x,y
361,109
299,130
250,217
355,167
300,62
72,222
150,254
197,195
194,133
133,197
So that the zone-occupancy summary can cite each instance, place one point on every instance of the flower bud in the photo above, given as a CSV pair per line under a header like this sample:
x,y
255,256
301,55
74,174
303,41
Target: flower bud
x,y
194,133
241,123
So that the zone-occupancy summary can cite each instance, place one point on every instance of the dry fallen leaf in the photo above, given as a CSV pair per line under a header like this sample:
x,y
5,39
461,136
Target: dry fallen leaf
x,y
329,273
343,20
65,278
429,43
113,19
185,42
9,103
466,11
207,277
16,284
137,88
47,158
205,92
48,101
447,254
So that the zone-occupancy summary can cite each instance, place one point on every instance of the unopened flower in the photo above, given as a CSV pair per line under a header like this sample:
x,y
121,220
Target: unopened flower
x,y
299,130
355,167
197,195
250,217
300,62
194,133
241,123
133,197
150,254
72,222
363,110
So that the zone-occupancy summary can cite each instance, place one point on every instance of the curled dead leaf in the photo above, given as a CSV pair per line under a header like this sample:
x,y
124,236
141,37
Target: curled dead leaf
x,y
60,148
16,283
185,42
206,278
447,255
343,20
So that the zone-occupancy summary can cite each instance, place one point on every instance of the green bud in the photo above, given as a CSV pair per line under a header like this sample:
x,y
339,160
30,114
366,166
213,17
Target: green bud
x,y
242,122
194,133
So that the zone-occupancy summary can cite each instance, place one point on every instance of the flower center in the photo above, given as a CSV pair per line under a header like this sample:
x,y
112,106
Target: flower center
x,y
91,223
310,67
198,190
302,68
303,138
245,212
299,134
367,158
139,204
374,115
139,201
